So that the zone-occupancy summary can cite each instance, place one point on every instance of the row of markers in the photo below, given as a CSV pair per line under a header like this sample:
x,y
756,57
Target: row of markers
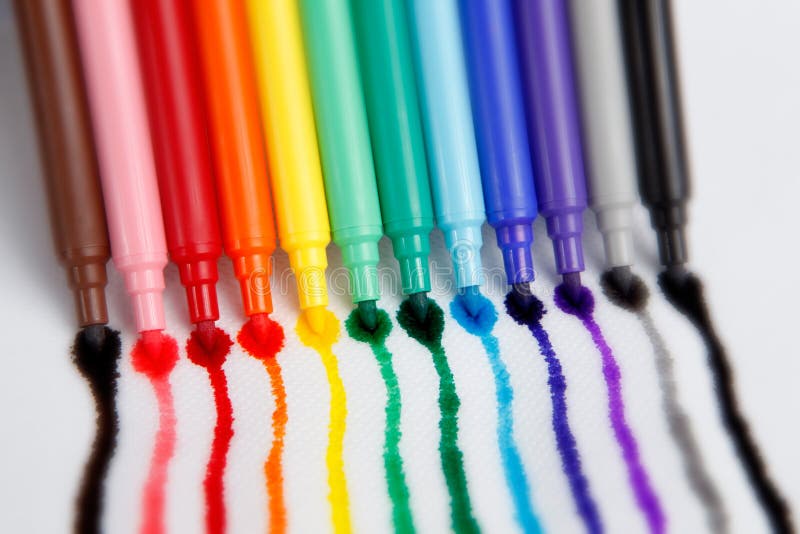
x,y
353,118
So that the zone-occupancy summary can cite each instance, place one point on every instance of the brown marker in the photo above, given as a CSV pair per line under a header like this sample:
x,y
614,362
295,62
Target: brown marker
x,y
67,148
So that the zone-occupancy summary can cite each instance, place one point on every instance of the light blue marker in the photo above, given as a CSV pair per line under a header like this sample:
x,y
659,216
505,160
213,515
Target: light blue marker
x,y
450,138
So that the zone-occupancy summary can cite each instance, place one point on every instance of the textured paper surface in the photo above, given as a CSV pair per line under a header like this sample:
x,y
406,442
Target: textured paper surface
x,y
49,417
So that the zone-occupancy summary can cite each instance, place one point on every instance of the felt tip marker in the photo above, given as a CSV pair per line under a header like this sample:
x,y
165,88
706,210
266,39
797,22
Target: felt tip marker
x,y
293,155
172,81
608,136
655,103
452,154
551,105
501,133
343,131
387,68
245,203
127,169
64,127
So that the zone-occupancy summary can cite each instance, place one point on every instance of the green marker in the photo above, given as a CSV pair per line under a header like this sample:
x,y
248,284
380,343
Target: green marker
x,y
343,135
384,50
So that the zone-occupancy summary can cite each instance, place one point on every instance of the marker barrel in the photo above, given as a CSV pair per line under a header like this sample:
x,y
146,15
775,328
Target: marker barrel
x,y
608,136
177,123
291,143
452,154
341,118
245,203
553,124
503,149
387,70
68,151
658,126
119,117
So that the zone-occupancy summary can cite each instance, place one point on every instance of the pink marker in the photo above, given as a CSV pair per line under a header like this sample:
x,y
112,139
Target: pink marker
x,y
127,169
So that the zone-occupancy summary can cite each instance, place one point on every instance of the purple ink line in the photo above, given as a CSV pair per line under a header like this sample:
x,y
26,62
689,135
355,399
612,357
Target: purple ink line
x,y
646,498
529,315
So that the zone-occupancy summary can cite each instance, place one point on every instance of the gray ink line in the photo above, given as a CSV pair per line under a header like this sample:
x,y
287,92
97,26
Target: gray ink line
x,y
681,430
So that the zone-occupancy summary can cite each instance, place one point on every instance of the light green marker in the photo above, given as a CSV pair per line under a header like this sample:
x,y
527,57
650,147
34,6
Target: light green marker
x,y
343,134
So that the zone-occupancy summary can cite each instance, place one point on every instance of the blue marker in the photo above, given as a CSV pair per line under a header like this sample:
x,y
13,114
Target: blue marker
x,y
450,138
502,135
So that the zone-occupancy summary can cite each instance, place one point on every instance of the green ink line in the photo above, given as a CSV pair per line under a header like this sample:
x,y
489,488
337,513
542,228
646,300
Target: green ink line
x,y
429,334
392,460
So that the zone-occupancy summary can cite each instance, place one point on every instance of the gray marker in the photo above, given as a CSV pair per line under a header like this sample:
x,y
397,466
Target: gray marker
x,y
607,131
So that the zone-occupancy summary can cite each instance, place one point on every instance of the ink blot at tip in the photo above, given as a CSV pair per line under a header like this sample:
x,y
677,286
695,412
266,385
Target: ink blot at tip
x,y
525,309
684,292
325,331
474,313
360,332
94,337
580,303
631,294
261,337
206,334
209,348
367,312
427,332
155,354
97,362
419,305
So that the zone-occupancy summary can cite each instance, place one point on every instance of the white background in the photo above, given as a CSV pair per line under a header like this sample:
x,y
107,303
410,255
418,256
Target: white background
x,y
741,78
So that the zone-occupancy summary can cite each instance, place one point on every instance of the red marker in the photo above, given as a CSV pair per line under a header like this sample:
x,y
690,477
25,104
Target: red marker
x,y
173,85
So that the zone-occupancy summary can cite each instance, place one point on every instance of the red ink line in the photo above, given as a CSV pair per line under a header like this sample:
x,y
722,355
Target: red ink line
x,y
157,365
212,355
153,494
223,432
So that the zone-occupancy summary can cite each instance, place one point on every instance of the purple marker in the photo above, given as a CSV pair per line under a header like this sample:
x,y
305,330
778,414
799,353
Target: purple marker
x,y
551,106
503,148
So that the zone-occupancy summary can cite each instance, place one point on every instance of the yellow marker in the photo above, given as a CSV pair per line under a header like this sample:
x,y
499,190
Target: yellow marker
x,y
322,341
291,139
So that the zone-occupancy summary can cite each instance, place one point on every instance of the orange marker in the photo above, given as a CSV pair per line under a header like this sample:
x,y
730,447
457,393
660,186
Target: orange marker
x,y
237,143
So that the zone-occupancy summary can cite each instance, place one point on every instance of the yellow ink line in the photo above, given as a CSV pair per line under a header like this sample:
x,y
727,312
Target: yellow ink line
x,y
334,458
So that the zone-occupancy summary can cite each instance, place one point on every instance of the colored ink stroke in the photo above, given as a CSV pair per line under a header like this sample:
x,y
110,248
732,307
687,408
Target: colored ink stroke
x,y
646,499
99,366
429,334
481,325
157,368
634,298
212,359
263,339
392,460
686,294
334,458
529,314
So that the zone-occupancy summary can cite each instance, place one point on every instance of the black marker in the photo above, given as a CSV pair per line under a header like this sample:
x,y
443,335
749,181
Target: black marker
x,y
664,186
656,109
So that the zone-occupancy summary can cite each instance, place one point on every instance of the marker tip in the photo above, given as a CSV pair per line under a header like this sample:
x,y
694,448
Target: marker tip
x,y
316,318
260,327
471,297
95,336
207,334
522,294
419,305
623,278
153,341
572,284
367,313
676,271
